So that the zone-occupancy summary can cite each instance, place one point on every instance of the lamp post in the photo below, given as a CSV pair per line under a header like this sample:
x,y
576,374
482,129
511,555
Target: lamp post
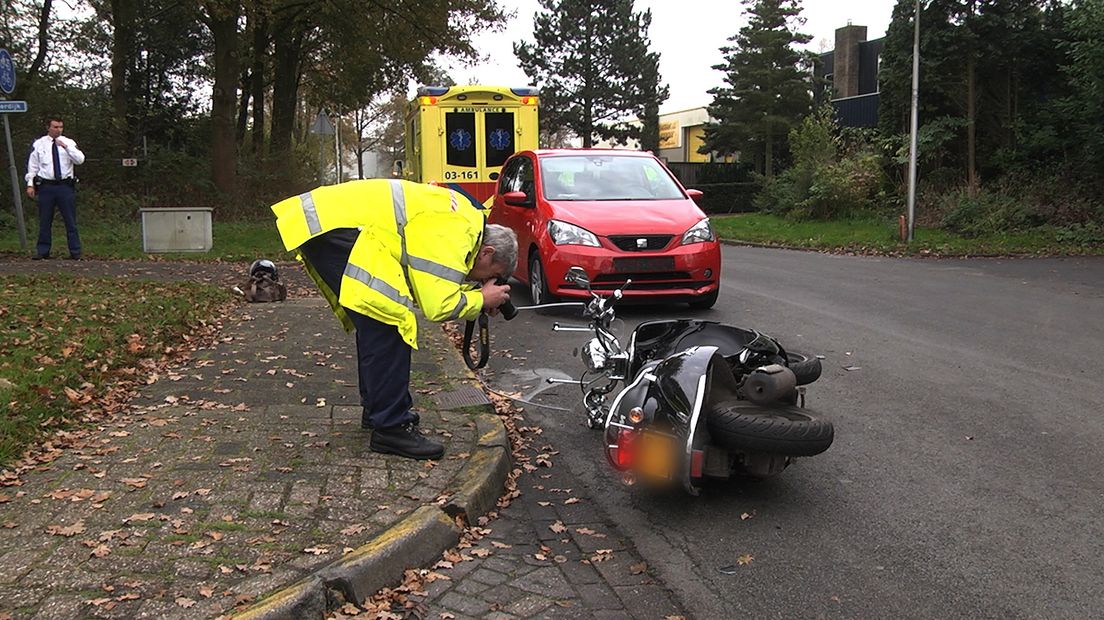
x,y
914,124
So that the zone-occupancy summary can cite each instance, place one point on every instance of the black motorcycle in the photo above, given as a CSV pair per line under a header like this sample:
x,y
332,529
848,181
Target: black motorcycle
x,y
701,399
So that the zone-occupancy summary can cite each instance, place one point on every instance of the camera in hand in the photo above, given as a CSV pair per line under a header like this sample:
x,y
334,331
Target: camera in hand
x,y
507,309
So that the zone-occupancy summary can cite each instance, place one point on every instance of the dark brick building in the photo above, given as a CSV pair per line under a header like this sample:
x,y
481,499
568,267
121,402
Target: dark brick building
x,y
848,77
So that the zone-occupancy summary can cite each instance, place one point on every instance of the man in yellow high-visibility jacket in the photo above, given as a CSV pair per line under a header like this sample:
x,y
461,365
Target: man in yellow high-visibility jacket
x,y
376,249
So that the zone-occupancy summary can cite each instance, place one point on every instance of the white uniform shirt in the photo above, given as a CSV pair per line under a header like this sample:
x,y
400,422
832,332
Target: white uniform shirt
x,y
41,161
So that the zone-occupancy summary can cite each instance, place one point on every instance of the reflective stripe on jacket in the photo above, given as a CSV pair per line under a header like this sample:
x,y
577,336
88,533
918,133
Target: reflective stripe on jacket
x,y
416,246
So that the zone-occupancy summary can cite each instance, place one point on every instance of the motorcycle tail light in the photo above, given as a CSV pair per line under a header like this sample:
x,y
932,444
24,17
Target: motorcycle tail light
x,y
621,447
697,459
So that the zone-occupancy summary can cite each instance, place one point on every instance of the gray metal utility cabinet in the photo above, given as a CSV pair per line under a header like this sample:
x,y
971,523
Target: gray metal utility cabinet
x,y
176,229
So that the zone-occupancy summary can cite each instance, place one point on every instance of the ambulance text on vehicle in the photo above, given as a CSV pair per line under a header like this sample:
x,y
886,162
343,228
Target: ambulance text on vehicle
x,y
460,136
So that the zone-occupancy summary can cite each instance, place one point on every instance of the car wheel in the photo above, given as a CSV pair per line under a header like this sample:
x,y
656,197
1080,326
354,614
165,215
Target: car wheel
x,y
705,302
538,282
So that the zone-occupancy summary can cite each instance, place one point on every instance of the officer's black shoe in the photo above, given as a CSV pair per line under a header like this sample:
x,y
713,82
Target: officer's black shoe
x,y
407,441
40,256
366,425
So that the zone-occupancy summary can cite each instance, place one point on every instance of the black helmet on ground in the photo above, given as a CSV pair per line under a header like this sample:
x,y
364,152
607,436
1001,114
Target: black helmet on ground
x,y
262,267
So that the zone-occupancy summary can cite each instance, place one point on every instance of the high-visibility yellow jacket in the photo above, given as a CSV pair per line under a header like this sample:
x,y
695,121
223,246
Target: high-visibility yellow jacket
x,y
416,246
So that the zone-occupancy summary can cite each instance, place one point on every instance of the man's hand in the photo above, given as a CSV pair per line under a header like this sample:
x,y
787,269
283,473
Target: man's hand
x,y
30,191
494,295
61,142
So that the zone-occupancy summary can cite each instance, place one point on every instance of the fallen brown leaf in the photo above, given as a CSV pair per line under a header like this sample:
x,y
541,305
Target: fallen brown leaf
x,y
66,530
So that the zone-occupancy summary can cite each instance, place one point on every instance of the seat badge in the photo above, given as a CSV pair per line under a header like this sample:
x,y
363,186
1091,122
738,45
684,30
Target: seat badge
x,y
642,243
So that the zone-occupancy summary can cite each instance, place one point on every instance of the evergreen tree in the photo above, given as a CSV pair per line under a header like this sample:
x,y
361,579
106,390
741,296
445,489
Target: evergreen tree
x,y
592,62
767,84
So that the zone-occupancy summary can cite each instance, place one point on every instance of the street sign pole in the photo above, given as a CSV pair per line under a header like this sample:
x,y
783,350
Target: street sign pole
x,y
17,199
7,85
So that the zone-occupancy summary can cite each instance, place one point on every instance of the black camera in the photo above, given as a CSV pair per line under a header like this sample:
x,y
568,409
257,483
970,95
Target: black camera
x,y
507,309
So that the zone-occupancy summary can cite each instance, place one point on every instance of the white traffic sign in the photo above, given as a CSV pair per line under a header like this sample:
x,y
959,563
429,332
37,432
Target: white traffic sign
x,y
322,125
12,106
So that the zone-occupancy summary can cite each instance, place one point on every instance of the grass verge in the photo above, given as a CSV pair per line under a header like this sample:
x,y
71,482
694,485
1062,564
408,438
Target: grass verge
x,y
882,237
65,338
231,241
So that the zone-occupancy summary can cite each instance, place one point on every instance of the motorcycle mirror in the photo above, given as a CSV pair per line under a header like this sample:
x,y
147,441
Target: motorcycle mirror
x,y
578,276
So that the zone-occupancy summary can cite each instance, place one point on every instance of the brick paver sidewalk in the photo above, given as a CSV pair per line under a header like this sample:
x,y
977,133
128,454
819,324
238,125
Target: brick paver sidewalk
x,y
236,475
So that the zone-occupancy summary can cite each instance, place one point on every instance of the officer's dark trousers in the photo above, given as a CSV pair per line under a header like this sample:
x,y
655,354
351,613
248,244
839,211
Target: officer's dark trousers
x,y
64,197
383,357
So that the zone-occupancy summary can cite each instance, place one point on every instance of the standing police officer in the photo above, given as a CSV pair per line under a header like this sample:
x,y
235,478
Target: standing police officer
x,y
51,178
377,248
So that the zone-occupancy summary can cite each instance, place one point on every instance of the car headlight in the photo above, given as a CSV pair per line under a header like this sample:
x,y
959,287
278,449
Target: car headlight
x,y
699,233
569,234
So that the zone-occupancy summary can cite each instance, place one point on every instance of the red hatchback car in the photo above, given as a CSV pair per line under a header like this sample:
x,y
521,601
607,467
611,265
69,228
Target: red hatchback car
x,y
619,215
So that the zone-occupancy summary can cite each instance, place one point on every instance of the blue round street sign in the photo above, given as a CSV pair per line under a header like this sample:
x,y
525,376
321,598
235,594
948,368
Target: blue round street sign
x,y
7,72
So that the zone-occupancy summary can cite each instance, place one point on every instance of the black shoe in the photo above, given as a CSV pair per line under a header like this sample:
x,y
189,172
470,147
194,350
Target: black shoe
x,y
40,256
405,441
74,257
415,419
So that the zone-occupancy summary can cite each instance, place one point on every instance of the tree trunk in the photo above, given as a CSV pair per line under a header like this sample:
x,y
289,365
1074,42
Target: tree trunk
x,y
124,17
260,49
245,91
285,82
224,33
971,128
768,163
23,85
588,77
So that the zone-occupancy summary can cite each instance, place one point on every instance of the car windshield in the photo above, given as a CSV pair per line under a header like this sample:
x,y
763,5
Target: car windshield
x,y
606,177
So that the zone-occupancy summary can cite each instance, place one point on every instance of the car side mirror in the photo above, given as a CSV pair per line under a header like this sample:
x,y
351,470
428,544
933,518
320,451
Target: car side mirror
x,y
517,199
694,194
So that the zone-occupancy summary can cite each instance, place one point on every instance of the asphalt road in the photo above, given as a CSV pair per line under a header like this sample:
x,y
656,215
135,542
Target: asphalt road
x,y
966,476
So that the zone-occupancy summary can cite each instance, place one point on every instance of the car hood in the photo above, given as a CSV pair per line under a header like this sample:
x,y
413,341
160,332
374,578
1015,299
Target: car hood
x,y
615,217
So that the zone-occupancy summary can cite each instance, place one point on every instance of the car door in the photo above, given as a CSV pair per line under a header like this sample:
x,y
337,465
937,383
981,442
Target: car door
x,y
514,217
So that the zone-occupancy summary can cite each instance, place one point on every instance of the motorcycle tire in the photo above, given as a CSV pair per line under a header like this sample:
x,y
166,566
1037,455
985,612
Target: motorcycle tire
x,y
787,430
805,367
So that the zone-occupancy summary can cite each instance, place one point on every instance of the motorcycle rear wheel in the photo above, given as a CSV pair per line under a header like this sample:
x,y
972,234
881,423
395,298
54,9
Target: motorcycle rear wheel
x,y
787,430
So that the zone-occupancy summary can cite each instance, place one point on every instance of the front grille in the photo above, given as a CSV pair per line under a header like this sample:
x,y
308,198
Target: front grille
x,y
641,277
631,243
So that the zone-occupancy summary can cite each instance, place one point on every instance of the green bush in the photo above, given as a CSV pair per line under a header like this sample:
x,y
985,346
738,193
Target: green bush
x,y
1090,233
823,183
989,211
843,189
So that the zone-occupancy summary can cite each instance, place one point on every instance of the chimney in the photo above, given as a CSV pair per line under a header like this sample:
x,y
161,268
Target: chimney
x,y
845,63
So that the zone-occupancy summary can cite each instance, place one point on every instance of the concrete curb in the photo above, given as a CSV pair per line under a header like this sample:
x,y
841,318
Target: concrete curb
x,y
303,599
413,542
416,541
479,484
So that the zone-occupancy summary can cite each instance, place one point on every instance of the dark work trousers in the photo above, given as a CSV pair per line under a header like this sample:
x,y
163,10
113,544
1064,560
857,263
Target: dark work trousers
x,y
383,357
64,197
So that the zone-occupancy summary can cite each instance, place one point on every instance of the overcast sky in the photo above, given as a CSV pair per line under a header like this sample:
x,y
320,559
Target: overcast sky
x,y
688,34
